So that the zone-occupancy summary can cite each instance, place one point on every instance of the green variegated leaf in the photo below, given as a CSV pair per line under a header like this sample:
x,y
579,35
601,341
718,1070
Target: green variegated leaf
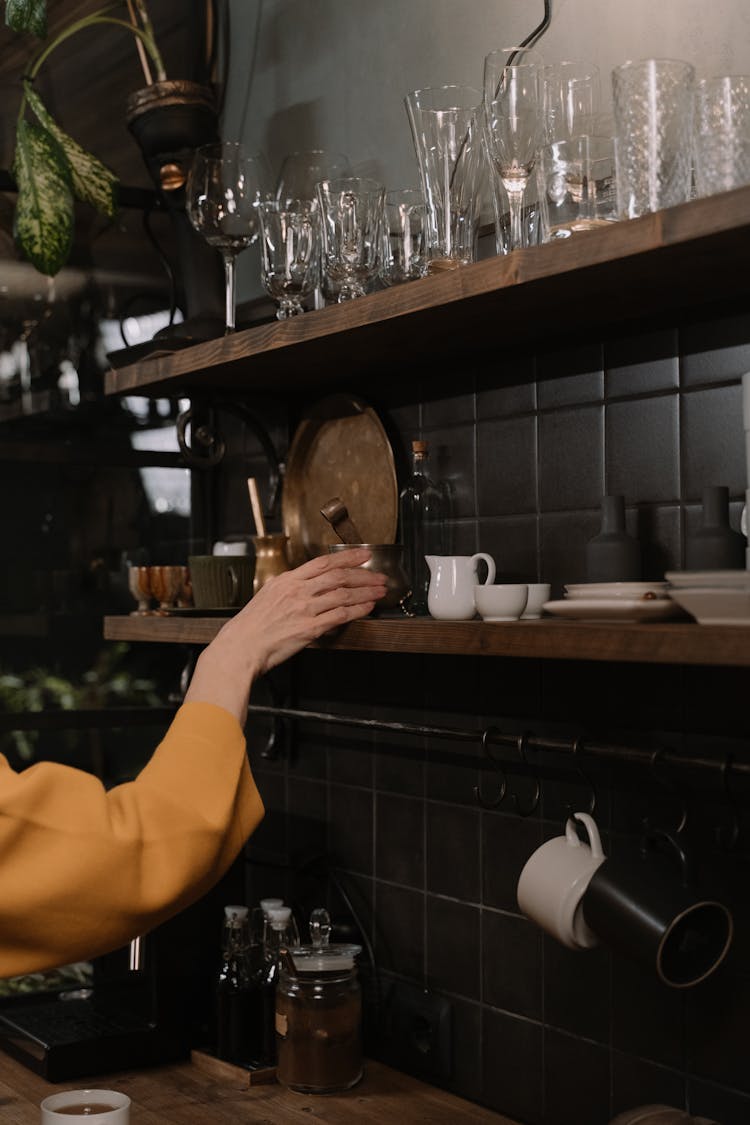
x,y
27,15
43,224
93,182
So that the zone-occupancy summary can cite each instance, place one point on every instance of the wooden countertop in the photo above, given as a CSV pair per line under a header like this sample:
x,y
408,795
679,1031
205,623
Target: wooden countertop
x,y
187,1094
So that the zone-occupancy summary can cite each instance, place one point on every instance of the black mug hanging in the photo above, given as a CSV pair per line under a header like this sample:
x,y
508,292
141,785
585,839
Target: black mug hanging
x,y
638,910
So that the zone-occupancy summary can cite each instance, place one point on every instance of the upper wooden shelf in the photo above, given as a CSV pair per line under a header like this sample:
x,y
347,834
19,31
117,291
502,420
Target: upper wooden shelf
x,y
652,643
674,258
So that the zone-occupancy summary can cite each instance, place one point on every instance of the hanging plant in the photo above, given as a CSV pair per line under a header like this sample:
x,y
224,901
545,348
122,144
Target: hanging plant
x,y
52,170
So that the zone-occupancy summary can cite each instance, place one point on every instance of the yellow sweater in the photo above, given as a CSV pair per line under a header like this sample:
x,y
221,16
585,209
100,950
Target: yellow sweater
x,y
83,870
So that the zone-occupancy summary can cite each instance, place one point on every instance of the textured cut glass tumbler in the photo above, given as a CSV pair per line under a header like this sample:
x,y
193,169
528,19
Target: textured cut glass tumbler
x,y
721,134
653,103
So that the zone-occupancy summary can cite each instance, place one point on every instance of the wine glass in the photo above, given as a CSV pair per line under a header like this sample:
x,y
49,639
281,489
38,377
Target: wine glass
x,y
512,124
224,186
289,251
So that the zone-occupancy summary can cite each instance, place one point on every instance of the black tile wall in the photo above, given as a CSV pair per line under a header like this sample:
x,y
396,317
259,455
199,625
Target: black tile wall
x,y
527,446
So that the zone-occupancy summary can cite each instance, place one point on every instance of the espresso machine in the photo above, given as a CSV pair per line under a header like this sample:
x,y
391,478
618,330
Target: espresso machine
x,y
149,1003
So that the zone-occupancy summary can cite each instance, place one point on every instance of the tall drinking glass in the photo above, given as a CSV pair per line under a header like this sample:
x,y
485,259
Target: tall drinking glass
x,y
571,99
653,104
224,186
721,134
351,222
404,237
513,124
446,128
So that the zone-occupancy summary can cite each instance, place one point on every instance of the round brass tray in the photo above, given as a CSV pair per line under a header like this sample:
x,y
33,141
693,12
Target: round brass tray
x,y
339,449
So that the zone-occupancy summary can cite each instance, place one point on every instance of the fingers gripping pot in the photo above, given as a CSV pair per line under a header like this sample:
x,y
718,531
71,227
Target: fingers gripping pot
x,y
319,1016
643,911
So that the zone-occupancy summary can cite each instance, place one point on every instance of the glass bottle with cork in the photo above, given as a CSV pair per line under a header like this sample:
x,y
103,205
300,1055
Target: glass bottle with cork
x,y
237,995
422,521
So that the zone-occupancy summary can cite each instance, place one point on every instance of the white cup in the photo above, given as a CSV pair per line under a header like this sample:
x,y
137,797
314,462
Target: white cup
x,y
554,880
504,602
114,1107
221,548
539,593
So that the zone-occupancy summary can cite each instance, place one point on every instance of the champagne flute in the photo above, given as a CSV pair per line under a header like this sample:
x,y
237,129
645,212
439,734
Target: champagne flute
x,y
225,184
512,124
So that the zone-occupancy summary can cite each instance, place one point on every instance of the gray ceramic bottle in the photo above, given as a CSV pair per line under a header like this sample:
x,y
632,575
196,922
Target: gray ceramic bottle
x,y
613,555
715,546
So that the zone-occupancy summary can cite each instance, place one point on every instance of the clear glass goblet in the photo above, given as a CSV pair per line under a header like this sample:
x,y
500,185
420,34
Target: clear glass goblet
x,y
513,122
224,186
404,255
351,218
289,252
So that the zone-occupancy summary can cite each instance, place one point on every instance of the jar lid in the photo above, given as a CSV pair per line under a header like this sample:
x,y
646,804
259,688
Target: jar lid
x,y
336,958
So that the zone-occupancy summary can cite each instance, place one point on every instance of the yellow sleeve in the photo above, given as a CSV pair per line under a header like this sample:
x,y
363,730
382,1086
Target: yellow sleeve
x,y
83,869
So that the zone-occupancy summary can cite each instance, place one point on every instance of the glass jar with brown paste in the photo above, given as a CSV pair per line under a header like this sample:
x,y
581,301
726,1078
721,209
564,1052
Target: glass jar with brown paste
x,y
319,1018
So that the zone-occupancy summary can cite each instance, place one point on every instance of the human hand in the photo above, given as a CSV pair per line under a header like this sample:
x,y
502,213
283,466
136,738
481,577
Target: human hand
x,y
289,612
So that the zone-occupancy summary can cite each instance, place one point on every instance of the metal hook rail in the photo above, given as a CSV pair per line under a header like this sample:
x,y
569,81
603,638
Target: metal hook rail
x,y
631,755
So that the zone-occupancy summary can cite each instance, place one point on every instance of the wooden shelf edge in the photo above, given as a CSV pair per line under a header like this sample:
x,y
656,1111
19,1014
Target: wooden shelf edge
x,y
696,222
652,643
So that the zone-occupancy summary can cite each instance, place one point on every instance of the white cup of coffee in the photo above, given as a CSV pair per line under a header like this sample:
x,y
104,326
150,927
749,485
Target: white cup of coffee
x,y
110,1107
554,880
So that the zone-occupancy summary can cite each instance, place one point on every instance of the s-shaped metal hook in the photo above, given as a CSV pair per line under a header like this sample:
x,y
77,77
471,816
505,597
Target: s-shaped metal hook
x,y
522,746
497,800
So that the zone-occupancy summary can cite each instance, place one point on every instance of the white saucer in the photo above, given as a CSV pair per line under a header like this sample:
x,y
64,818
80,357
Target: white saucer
x,y
628,590
615,609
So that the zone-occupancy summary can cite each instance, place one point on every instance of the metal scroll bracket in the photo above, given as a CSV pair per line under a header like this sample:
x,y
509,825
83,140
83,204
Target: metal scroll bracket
x,y
207,448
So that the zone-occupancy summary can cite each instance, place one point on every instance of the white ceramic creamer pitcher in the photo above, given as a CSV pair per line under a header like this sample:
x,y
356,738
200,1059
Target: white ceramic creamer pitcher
x,y
452,581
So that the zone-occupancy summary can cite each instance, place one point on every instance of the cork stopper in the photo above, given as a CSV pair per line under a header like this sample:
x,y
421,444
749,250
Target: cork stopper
x,y
419,446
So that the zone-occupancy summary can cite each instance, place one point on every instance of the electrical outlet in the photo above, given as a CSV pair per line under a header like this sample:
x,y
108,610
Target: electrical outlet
x,y
419,1026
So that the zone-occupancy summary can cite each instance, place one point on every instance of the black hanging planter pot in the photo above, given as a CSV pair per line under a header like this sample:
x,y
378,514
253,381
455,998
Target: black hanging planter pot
x,y
169,120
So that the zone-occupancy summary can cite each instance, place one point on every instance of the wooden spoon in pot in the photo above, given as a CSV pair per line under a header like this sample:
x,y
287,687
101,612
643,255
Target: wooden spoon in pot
x,y
335,512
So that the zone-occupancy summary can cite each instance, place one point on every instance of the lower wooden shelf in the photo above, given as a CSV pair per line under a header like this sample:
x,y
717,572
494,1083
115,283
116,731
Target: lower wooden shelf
x,y
652,643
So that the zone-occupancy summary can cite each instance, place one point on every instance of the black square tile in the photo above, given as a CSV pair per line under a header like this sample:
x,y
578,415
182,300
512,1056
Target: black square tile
x,y
508,388
641,362
350,829
307,816
399,840
506,466
576,990
452,953
512,542
647,1016
507,842
572,376
461,537
512,1066
563,538
453,466
269,838
566,1097
637,1082
642,444
453,851
509,689
511,964
467,1049
571,458
716,1030
715,350
443,407
713,442
399,930
728,1107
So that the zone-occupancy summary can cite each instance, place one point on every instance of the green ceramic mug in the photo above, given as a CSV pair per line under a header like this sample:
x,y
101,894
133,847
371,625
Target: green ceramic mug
x,y
221,581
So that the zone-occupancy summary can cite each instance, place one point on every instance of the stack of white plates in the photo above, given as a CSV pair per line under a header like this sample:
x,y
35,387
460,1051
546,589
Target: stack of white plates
x,y
712,597
616,601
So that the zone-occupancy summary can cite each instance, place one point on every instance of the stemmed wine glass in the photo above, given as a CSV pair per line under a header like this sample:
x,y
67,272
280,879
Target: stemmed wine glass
x,y
224,186
513,124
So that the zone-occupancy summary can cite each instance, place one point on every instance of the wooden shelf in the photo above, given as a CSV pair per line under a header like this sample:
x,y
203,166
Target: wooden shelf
x,y
670,259
653,643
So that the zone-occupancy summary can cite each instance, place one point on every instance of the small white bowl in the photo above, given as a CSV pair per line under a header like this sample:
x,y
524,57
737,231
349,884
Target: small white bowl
x,y
502,602
538,594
